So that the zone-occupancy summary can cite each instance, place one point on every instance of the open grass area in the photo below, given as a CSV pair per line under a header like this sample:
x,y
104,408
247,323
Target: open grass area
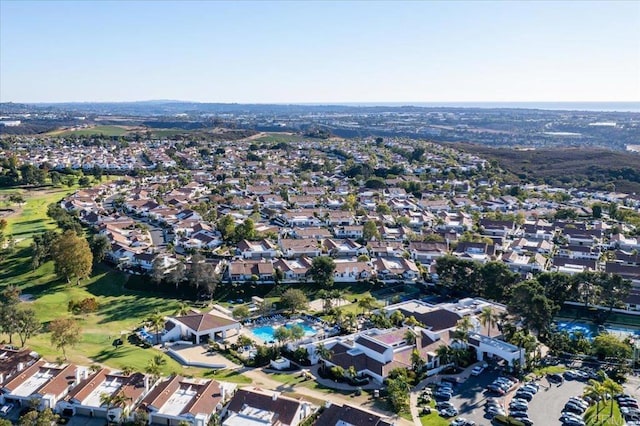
x,y
551,369
604,416
95,130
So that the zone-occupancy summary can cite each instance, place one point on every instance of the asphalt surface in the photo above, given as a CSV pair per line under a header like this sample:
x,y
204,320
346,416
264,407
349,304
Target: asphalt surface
x,y
547,404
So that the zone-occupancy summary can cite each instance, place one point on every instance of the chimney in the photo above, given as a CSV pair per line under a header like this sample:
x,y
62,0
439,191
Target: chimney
x,y
78,376
274,396
20,366
223,393
146,383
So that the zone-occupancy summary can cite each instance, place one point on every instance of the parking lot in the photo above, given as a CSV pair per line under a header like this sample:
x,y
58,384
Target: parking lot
x,y
544,409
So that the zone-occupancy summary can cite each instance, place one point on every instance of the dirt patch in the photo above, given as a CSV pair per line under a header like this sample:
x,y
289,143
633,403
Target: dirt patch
x,y
27,298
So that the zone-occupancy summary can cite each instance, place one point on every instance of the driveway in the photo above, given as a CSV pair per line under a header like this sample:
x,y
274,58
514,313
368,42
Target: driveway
x,y
470,397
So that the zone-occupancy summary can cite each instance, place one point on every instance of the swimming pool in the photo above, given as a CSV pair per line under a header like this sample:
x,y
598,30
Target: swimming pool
x,y
265,332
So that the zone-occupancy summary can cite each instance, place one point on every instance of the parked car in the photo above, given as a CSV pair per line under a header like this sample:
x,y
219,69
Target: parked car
x,y
527,396
5,409
448,412
444,405
567,415
555,378
477,370
491,412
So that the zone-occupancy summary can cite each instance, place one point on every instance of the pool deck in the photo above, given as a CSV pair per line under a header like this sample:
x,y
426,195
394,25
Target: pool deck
x,y
198,356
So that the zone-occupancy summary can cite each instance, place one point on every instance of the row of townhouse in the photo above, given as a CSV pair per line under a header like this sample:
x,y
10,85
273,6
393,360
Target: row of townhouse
x,y
346,270
116,396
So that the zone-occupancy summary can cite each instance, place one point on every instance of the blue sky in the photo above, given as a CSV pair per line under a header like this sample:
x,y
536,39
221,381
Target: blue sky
x,y
317,51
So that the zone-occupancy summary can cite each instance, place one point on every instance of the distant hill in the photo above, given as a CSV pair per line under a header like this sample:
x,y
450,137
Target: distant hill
x,y
577,167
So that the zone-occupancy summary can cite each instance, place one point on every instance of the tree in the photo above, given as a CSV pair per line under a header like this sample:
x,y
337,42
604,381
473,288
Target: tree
x,y
9,310
417,363
294,299
27,324
45,417
529,302
112,400
370,231
595,391
100,246
241,312
463,328
397,317
410,337
282,334
65,332
607,345
488,319
227,226
612,388
203,275
367,303
176,275
321,271
72,256
398,393
183,309
324,353
156,322
496,280
297,332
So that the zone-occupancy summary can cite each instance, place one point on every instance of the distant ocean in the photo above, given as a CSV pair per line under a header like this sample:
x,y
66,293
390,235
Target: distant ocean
x,y
557,106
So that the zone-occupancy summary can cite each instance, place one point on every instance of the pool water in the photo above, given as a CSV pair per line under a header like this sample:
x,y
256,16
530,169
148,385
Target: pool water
x,y
265,332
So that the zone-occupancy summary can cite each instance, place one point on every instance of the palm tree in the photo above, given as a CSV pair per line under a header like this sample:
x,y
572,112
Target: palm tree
x,y
488,319
350,320
113,400
595,390
463,327
323,353
367,303
397,317
612,388
127,370
156,322
182,309
410,337
417,363
444,354
352,372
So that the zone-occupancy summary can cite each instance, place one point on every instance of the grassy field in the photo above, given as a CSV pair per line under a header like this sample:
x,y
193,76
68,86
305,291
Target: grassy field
x,y
433,419
104,130
604,418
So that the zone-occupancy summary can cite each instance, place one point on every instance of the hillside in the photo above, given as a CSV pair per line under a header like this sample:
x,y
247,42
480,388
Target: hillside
x,y
578,167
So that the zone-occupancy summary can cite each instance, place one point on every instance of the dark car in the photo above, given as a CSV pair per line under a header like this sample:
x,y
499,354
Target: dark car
x,y
524,395
555,378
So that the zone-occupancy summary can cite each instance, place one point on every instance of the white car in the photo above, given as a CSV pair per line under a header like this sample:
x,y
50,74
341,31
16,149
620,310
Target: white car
x,y
5,409
477,370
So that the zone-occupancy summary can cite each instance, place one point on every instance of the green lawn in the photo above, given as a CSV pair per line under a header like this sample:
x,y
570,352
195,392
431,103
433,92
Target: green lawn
x,y
604,416
433,419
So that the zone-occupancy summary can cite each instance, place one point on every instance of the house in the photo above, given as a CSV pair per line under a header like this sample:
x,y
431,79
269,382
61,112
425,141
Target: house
x,y
249,270
294,270
199,327
86,398
427,252
478,252
345,415
351,271
315,233
259,407
501,228
263,249
349,231
178,400
295,248
396,269
343,248
43,382
386,249
13,360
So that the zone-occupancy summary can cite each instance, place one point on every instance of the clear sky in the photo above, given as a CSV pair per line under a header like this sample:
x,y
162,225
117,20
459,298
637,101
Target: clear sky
x,y
316,51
